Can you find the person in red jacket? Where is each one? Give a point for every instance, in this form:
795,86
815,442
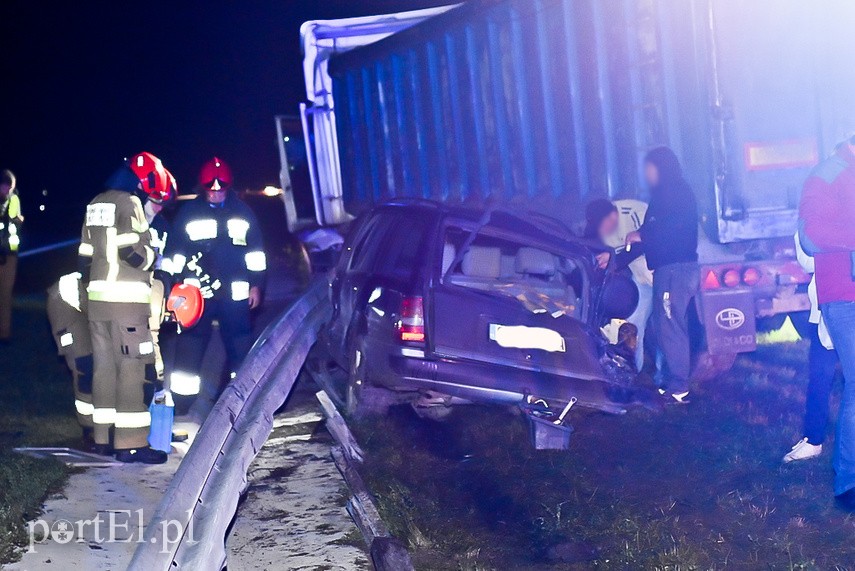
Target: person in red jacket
826,231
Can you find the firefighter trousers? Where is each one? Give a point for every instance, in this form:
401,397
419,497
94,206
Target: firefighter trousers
70,328
121,349
235,331
82,370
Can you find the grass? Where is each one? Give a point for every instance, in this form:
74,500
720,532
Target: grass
36,408
696,487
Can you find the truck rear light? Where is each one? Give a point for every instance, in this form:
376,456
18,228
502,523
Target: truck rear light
412,323
710,281
751,276
731,278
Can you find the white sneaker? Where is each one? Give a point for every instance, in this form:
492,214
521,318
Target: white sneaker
803,450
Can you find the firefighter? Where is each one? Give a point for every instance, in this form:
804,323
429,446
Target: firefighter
66,309
216,245
162,282
10,225
117,260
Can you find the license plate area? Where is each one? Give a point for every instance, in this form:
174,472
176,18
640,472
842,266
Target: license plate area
525,337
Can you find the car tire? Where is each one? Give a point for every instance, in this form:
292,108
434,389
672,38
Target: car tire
361,398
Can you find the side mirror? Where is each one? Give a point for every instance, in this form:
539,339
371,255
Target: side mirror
618,297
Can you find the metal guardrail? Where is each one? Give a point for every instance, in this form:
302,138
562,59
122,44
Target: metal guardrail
204,493
387,552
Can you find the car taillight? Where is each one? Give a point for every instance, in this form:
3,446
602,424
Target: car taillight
412,323
751,276
731,278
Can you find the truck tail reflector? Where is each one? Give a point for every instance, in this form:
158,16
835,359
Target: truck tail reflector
751,276
711,281
781,154
731,278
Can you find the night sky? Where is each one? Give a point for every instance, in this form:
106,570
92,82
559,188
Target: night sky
85,84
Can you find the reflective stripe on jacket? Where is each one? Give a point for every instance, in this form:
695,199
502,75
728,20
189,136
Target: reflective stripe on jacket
217,248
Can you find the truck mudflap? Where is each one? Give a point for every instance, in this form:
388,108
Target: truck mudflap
729,322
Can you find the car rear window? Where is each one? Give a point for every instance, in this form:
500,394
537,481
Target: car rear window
404,249
369,243
541,280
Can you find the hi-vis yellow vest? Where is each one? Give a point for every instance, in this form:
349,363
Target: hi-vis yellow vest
10,223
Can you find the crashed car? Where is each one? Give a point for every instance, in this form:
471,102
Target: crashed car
438,305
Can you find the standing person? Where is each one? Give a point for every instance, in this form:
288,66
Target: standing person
10,226
116,264
631,215
159,229
669,237
826,232
822,363
611,222
215,245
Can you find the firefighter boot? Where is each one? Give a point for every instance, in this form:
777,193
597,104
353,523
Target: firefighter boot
143,455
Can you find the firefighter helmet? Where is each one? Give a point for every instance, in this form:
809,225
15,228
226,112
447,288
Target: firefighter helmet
185,304
171,188
154,178
215,170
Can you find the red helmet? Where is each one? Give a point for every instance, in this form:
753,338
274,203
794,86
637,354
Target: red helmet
218,170
185,304
172,187
154,178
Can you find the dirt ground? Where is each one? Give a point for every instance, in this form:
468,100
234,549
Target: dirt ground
692,487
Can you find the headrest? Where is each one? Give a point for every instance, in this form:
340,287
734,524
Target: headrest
535,262
482,262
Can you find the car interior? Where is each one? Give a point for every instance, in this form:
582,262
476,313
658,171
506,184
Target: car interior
541,279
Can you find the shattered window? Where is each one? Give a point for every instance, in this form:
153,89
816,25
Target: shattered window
543,281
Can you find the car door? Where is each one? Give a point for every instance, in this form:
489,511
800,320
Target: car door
348,286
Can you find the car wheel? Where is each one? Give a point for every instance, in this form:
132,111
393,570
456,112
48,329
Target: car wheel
361,398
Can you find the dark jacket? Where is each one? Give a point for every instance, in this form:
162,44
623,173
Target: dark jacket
670,230
217,248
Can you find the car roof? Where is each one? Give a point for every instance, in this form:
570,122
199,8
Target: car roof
538,226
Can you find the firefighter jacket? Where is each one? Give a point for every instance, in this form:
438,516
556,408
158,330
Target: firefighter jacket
10,224
217,248
116,255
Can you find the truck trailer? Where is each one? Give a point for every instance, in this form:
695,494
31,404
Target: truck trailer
547,104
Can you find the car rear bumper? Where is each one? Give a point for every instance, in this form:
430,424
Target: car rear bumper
496,384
